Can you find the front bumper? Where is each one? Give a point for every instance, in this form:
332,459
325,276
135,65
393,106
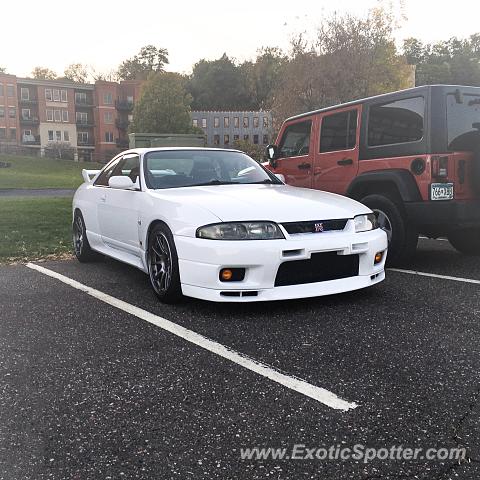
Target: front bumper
201,260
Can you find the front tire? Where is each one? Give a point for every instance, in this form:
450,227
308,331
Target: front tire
466,241
81,247
163,267
402,237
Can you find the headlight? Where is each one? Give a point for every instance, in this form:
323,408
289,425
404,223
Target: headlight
241,231
363,223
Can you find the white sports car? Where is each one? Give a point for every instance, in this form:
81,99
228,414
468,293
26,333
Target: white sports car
215,225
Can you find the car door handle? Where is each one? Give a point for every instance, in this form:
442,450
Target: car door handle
345,161
103,198
304,166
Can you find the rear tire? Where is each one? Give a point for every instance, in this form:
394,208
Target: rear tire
466,241
402,237
163,267
81,247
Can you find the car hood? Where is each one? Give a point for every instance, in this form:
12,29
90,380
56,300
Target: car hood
278,203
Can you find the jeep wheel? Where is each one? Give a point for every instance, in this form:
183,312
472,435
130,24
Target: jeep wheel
466,241
402,237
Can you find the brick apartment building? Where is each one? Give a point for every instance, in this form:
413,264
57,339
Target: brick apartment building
88,120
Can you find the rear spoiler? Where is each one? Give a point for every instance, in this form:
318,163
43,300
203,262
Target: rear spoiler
89,175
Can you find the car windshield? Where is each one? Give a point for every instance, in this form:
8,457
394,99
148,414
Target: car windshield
190,168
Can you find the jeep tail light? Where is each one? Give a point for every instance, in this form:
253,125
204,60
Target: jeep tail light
440,167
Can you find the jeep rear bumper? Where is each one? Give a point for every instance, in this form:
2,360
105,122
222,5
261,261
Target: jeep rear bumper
440,217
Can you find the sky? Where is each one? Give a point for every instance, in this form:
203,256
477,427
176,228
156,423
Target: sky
102,33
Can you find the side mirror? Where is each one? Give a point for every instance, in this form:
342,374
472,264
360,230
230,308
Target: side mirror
281,177
271,153
121,182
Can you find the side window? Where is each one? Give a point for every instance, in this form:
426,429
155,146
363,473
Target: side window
396,122
295,140
102,179
339,131
128,166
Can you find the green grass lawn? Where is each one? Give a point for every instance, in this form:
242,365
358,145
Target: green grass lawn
32,228
36,172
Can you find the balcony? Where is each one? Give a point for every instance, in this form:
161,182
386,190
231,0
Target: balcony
86,143
31,140
82,123
124,105
122,142
29,120
84,103
122,124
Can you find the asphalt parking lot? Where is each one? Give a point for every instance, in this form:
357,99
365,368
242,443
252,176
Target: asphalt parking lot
91,391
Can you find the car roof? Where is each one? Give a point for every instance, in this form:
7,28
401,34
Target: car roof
143,151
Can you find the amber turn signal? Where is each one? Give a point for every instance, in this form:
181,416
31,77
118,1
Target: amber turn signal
378,257
226,274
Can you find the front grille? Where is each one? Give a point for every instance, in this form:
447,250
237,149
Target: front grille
315,226
321,267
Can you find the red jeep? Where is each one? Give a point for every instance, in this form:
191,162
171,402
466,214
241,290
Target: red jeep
412,156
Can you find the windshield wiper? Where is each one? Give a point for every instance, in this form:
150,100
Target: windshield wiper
213,182
267,180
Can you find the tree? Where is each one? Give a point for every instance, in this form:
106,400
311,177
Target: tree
3,70
43,73
149,59
219,85
77,72
164,106
454,61
352,58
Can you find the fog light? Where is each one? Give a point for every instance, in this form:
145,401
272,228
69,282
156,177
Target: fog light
378,257
232,274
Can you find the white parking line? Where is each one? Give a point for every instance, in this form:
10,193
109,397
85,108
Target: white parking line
435,275
293,383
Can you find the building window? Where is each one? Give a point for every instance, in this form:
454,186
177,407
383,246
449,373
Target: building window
65,116
49,115
81,98
1,90
58,135
246,138
195,122
82,117
56,95
12,112
66,136
109,137
3,133
2,112
216,139
204,123
108,98
226,122
216,122
130,118
13,134
236,122
48,94
255,122
265,122
265,139
27,133
50,135
245,122
10,91
63,95
255,139
26,114
108,117
82,138
57,115
236,138
130,99
25,93
226,139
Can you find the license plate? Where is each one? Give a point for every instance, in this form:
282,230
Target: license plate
441,191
